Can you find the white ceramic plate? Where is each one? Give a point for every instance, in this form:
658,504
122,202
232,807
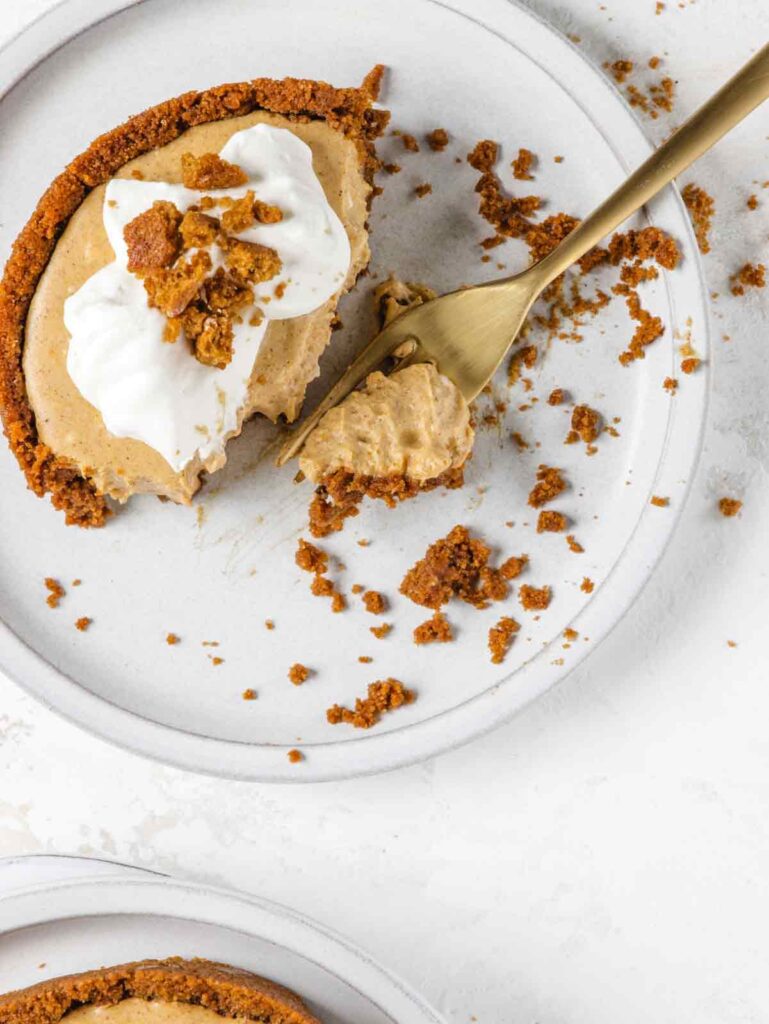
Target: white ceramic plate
481,68
80,914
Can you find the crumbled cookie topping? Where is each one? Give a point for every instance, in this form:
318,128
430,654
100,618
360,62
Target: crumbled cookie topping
701,207
209,171
729,506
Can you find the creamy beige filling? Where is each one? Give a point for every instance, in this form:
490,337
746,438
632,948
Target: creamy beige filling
143,1011
288,356
414,423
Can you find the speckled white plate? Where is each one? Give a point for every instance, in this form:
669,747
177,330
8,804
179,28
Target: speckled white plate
215,572
60,915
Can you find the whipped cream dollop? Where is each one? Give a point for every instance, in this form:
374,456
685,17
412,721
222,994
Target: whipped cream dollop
156,392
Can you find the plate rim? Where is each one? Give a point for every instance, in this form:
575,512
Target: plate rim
396,748
165,896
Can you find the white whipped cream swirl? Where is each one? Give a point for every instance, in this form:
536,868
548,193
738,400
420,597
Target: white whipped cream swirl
158,392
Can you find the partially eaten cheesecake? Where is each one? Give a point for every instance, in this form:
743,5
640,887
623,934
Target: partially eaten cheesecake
171,991
395,437
180,276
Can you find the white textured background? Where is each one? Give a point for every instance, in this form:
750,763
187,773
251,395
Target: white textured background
605,857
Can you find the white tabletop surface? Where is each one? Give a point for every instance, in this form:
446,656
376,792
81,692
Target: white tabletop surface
603,858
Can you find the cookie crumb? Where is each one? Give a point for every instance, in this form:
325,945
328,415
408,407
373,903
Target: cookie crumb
269,624
550,484
298,674
295,756
670,384
501,637
551,522
512,567
586,423
659,501
410,143
380,632
172,639
690,365
533,598
55,592
83,623
249,694
750,275
216,660
522,165
374,602
365,659
729,507
438,139
574,544
587,586
436,630
384,695
556,397
423,190
701,207
210,171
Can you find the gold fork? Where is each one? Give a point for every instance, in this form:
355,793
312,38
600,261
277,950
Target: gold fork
467,333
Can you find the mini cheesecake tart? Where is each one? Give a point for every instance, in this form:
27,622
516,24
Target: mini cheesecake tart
172,991
180,276
396,436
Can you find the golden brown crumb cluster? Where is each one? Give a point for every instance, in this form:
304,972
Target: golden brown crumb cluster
438,139
551,522
295,756
374,602
83,623
501,637
348,111
298,674
586,424
550,483
314,560
659,501
750,275
423,190
203,302
210,171
384,695
522,165
55,592
701,207
729,506
456,566
436,630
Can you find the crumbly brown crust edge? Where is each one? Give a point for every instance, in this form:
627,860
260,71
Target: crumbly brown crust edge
229,991
348,110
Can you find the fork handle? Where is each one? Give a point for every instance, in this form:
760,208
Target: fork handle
733,102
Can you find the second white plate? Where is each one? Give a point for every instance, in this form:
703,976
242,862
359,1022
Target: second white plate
78,923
